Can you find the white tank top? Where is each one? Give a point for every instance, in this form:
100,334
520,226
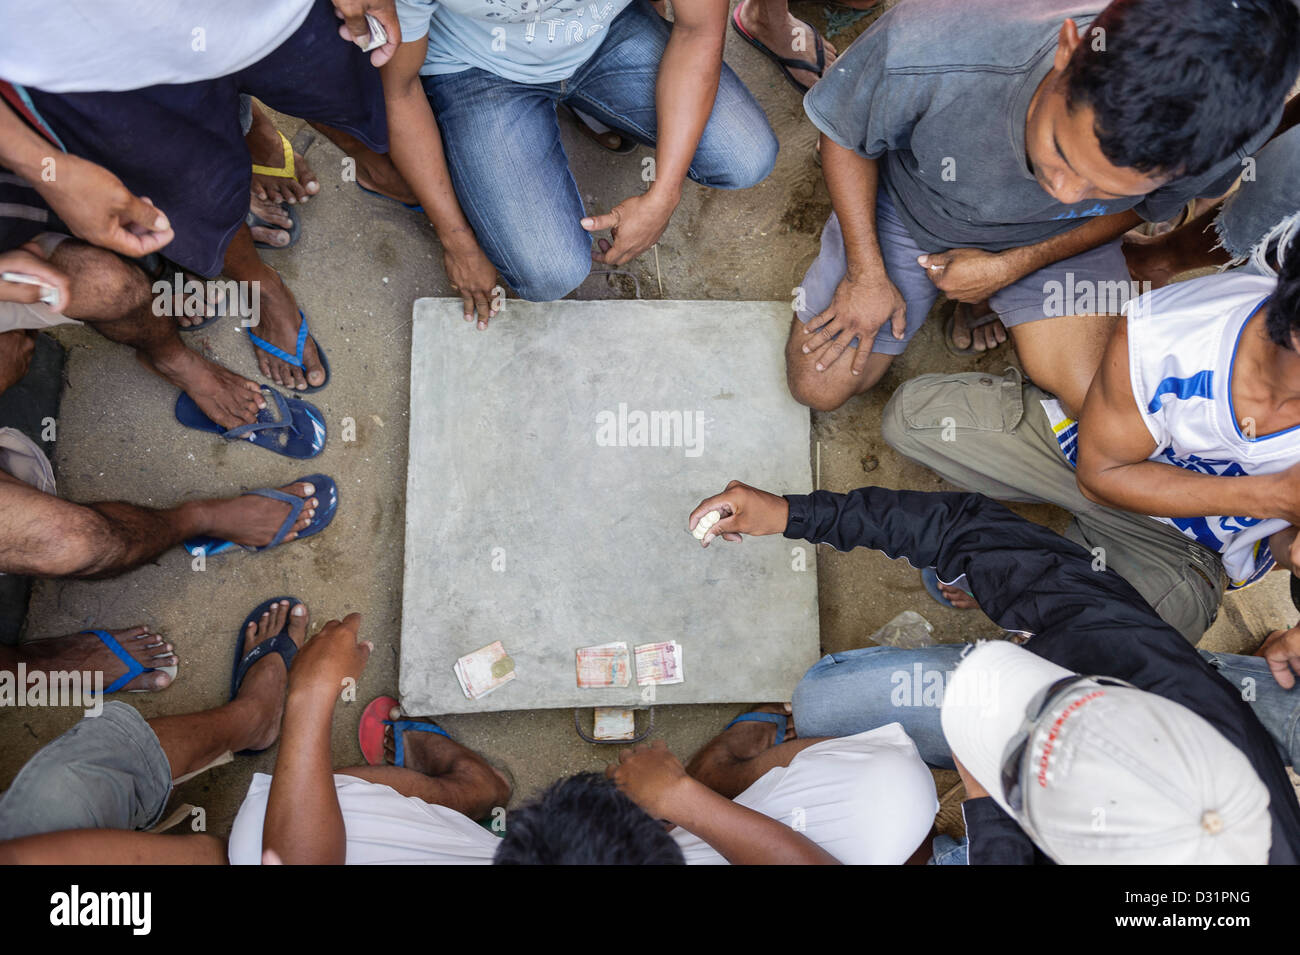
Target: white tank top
1182,343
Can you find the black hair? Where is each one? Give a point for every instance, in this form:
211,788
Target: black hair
1179,85
585,820
1283,318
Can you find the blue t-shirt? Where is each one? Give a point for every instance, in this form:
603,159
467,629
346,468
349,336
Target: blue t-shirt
528,41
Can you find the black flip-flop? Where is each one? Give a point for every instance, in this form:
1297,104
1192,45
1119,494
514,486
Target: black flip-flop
949,312
281,643
254,221
785,64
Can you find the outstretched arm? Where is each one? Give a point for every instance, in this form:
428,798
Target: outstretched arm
304,824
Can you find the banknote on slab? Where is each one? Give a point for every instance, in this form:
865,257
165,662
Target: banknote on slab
659,663
608,664
484,670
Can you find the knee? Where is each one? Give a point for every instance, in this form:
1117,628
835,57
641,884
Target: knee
487,789
551,277
749,160
817,390
100,280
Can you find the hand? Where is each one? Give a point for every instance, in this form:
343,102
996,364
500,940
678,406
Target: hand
859,309
98,208
973,789
968,275
16,350
473,275
29,260
651,776
354,28
745,510
634,224
1281,651
329,658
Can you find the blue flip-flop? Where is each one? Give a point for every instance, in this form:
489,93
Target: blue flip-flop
781,721
281,643
295,359
288,426
134,667
930,578
401,726
413,206
327,497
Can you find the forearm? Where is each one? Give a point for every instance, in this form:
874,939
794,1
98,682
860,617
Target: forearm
852,181
1098,230
685,90
113,847
415,146
304,824
1164,490
739,834
22,150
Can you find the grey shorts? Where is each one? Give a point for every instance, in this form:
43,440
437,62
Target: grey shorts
107,772
16,316
1092,281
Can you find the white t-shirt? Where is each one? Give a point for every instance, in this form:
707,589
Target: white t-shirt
866,799
79,46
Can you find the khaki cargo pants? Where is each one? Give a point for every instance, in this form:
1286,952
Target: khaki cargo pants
989,434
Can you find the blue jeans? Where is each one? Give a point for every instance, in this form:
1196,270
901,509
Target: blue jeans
847,693
510,171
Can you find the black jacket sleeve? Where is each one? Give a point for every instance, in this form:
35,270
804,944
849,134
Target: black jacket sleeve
995,838
1083,617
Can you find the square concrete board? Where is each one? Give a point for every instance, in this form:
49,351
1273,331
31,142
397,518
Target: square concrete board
537,516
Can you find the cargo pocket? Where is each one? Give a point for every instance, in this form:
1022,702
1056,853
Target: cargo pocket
973,401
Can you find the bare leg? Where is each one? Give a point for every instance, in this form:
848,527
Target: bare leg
441,772
267,149
738,757
279,315
16,350
115,298
827,390
1062,355
44,536
375,170
252,719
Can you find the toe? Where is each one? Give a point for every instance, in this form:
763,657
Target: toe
275,237
151,681
298,619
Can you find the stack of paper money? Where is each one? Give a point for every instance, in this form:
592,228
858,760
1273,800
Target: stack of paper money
484,670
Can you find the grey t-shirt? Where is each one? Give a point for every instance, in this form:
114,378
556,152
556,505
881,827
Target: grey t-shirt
938,92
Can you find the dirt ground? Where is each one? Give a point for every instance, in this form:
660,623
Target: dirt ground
360,264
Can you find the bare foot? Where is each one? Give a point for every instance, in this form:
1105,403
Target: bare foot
959,599
264,684
227,398
267,149
376,172
984,337
781,38
85,651
277,234
278,325
252,520
744,740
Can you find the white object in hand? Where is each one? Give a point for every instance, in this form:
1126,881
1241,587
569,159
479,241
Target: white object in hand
707,521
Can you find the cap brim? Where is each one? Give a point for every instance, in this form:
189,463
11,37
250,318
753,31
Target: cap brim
984,705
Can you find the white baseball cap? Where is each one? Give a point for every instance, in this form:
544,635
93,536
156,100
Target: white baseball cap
1098,771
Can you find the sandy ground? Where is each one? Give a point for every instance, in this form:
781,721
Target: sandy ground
358,267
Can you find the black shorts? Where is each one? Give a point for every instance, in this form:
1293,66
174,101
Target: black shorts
181,144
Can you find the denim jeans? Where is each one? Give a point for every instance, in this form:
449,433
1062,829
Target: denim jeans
847,693
1265,210
510,171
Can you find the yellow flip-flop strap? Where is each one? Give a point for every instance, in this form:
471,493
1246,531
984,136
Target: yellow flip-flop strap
287,172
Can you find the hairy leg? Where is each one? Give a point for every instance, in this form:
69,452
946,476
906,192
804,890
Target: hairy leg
829,389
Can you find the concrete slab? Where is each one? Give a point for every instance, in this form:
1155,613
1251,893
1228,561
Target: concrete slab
550,477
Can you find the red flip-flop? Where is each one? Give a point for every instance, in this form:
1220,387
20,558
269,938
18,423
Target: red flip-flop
370,734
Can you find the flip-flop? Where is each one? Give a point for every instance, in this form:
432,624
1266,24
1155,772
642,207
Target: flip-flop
781,721
930,578
134,667
288,426
327,497
299,350
254,221
370,733
949,323
281,643
154,265
413,206
288,170
785,64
